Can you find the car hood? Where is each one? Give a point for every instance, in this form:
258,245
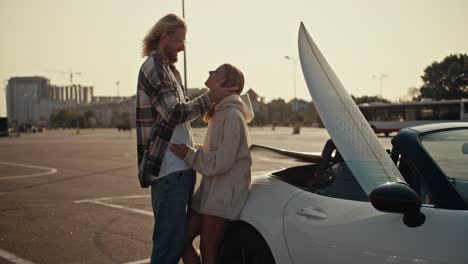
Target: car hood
268,159
439,126
349,130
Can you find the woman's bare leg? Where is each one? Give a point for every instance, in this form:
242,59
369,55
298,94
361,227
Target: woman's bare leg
212,233
190,254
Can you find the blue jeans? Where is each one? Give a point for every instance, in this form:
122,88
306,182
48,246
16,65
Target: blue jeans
170,198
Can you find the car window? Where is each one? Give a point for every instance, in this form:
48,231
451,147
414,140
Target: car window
448,150
415,179
342,184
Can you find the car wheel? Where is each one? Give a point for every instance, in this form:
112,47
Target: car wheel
243,244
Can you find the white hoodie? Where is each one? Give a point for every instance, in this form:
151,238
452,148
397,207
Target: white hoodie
224,160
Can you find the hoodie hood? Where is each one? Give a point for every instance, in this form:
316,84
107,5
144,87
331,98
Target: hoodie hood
240,102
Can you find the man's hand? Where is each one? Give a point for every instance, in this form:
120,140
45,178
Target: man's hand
217,93
180,150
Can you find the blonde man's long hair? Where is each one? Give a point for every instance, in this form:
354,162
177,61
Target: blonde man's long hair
167,24
234,78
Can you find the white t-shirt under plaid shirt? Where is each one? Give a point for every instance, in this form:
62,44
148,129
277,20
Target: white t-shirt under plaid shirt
182,135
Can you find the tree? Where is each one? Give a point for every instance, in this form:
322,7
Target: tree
447,79
63,118
311,116
261,115
198,93
90,119
279,112
89,114
369,99
67,118
413,93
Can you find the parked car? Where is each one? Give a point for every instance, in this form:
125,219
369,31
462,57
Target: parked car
360,205
317,212
3,127
123,126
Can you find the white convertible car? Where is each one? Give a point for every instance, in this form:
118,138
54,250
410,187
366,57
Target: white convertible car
325,209
318,212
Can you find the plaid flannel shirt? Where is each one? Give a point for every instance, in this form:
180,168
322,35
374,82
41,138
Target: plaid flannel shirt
159,109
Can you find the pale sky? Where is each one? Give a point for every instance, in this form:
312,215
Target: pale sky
359,38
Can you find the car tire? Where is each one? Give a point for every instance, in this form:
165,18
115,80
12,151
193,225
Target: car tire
243,244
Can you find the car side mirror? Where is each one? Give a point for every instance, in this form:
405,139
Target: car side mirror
397,197
465,148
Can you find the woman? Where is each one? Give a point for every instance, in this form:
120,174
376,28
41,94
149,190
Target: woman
224,162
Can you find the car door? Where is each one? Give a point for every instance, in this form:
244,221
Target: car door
327,230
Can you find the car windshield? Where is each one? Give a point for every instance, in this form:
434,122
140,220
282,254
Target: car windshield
449,149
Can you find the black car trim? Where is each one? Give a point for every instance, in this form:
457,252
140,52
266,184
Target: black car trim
408,143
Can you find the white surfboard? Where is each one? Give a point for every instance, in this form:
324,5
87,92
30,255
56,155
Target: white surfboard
348,128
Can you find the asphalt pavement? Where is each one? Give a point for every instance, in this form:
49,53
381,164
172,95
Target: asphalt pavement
70,196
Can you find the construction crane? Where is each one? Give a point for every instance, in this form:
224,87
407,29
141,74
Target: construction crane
71,76
70,73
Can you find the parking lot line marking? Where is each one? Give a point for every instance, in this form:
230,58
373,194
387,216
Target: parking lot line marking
49,171
123,208
143,261
113,198
12,258
101,201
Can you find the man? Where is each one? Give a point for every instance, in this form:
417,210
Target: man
162,117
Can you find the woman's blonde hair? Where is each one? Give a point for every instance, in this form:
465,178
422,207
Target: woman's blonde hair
234,78
167,24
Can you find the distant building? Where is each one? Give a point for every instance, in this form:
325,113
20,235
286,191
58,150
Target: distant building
108,99
194,92
255,99
31,100
299,105
106,109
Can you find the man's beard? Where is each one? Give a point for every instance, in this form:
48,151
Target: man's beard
171,55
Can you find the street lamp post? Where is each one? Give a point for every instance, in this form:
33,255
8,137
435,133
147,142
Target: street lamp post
117,85
5,83
380,76
294,61
185,53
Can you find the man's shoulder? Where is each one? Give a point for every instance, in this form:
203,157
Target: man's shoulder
152,69
151,62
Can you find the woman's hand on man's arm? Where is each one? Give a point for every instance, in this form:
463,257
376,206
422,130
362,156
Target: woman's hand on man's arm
180,150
